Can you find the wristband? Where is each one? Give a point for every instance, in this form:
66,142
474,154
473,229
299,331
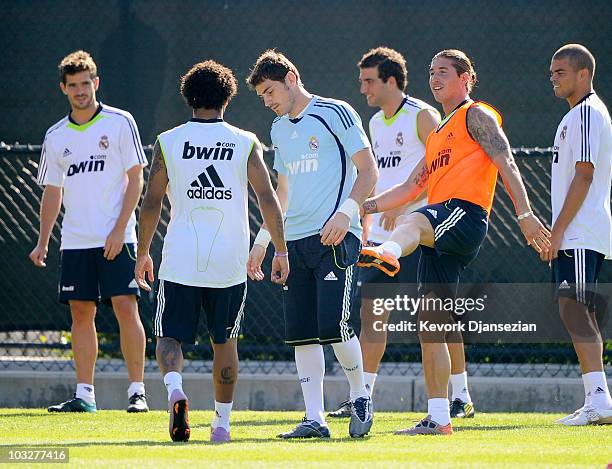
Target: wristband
349,207
281,254
263,238
522,216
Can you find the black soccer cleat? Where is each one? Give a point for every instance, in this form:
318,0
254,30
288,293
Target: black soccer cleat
343,411
307,429
461,410
76,404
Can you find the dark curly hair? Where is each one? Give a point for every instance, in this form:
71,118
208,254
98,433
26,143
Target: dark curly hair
208,85
76,62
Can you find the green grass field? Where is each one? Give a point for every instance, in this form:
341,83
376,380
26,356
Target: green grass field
117,439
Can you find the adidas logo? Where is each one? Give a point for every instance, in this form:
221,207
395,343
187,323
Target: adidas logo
564,285
294,135
599,390
133,284
433,212
67,152
208,186
331,276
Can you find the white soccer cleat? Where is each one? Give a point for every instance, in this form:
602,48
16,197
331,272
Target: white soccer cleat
562,420
590,416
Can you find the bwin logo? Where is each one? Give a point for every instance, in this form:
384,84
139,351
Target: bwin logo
221,151
208,186
90,166
389,161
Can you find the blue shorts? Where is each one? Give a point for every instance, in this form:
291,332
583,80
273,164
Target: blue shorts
460,228
178,307
575,273
319,291
87,276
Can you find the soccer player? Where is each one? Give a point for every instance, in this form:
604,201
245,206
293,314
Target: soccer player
581,223
92,161
462,159
205,166
398,132
319,146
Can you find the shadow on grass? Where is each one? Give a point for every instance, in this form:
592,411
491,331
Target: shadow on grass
24,414
254,423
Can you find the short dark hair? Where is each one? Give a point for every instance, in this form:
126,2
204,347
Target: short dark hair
579,57
462,64
208,85
271,65
76,62
390,63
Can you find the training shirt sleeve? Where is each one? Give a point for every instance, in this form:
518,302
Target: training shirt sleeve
279,165
585,134
50,170
130,146
346,124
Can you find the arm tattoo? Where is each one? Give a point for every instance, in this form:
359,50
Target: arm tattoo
484,129
280,226
255,159
369,206
421,179
158,160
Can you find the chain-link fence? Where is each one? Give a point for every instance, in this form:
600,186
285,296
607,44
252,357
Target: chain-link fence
34,325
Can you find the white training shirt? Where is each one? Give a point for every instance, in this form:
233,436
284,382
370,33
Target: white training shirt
90,162
207,242
398,149
585,135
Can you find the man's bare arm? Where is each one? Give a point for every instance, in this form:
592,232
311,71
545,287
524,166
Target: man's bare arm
150,210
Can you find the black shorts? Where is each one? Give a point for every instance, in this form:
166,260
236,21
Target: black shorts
460,228
319,291
575,273
178,307
86,275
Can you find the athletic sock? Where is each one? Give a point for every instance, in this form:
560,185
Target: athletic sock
600,394
136,387
222,415
392,247
349,356
587,390
438,410
310,364
369,380
86,392
173,380
459,387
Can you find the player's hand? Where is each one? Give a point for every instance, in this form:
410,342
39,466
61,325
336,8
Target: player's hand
113,244
552,251
536,234
256,257
388,219
144,267
335,229
280,269
38,255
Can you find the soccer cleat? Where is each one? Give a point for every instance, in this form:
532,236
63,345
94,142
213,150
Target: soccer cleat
307,429
219,435
138,403
376,257
461,410
361,417
570,416
344,410
179,416
427,427
590,416
76,404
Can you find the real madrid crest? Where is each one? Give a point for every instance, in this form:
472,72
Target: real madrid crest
563,132
313,143
399,140
103,143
